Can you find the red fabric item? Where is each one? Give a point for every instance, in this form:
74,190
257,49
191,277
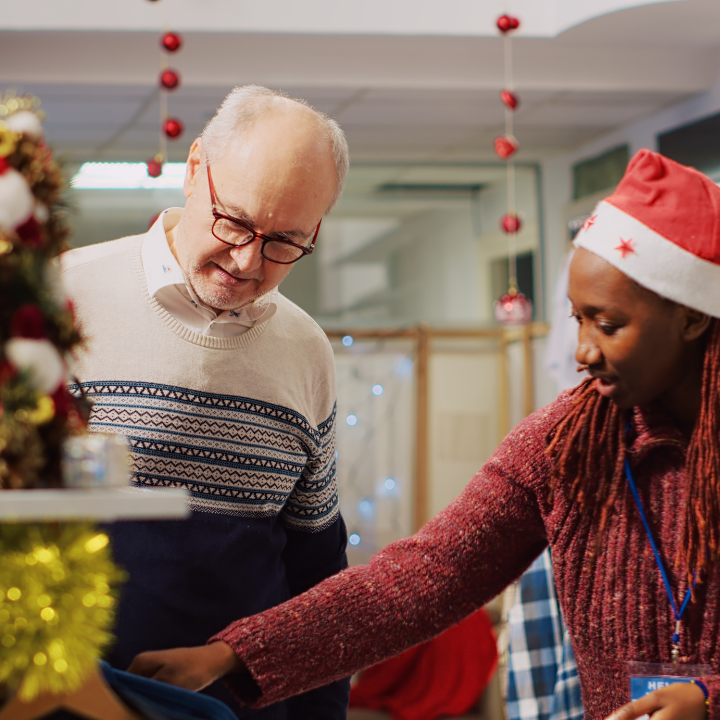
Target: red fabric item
677,202
441,678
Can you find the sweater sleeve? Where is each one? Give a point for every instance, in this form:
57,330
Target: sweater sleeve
412,590
712,683
310,556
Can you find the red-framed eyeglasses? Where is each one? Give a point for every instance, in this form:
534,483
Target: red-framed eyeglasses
236,233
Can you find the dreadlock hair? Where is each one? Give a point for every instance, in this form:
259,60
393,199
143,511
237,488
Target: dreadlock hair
588,447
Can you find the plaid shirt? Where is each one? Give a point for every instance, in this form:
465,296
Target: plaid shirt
543,681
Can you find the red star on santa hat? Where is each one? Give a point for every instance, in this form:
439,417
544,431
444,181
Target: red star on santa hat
589,222
625,247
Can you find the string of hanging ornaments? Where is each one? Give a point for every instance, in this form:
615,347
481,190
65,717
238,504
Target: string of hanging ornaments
513,308
171,128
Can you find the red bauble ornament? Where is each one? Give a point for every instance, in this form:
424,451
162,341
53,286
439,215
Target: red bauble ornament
154,168
30,233
171,42
513,309
7,372
4,166
28,322
173,128
506,146
64,402
510,99
506,23
510,224
170,79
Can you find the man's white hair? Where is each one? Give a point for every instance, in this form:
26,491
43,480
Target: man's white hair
246,104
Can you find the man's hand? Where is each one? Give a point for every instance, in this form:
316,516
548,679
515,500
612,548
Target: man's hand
191,668
680,701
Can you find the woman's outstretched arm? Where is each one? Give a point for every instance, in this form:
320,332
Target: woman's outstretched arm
407,594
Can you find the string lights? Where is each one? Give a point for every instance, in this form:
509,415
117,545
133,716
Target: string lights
374,392
513,308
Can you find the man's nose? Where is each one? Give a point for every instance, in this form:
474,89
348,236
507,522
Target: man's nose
248,257
587,353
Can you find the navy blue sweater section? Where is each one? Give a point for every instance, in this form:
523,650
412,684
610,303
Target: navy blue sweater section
189,579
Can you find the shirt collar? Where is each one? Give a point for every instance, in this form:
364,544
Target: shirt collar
161,267
162,270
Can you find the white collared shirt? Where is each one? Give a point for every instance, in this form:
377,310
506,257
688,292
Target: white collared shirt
167,284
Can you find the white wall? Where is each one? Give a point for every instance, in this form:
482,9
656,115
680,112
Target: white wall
557,171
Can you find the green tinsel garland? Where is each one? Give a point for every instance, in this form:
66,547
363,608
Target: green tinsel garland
56,606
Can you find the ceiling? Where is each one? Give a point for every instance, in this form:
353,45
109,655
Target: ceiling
400,98
540,18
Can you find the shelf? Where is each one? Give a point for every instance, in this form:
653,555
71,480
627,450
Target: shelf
101,504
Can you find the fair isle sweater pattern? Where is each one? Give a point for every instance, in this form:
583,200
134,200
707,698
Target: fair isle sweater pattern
236,455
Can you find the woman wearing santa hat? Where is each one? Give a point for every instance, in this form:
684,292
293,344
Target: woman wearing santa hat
620,477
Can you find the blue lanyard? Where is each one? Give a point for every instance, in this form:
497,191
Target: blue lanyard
677,613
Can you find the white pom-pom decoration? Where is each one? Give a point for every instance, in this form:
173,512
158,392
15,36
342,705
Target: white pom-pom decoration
16,200
41,359
42,214
25,122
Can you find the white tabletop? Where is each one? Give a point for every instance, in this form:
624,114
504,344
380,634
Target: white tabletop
106,504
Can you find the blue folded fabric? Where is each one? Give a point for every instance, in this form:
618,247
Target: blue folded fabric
160,701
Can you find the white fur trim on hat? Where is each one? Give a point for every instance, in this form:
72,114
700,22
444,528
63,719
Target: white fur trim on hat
651,260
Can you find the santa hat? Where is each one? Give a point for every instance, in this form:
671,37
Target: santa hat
661,227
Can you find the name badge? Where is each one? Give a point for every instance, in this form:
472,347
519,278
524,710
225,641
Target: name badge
648,677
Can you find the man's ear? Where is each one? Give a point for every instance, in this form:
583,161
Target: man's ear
194,168
696,323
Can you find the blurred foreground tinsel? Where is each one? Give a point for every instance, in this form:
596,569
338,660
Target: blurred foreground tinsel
55,580
56,606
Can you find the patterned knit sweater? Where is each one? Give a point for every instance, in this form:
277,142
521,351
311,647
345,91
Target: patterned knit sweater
616,608
247,425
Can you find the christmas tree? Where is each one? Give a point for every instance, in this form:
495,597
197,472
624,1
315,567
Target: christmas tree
36,321
56,601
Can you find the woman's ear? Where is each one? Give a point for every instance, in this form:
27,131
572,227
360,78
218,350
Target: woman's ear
696,323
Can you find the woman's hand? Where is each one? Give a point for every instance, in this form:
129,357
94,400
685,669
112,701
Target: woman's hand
191,668
679,701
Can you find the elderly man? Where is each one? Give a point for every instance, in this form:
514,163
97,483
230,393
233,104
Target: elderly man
222,385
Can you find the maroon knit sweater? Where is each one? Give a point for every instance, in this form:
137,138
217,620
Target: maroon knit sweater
616,608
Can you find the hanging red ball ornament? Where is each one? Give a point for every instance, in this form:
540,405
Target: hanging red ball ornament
169,79
154,168
172,42
510,224
506,146
510,99
173,128
506,23
513,309
28,322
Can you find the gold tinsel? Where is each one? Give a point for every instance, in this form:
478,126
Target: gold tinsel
56,606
